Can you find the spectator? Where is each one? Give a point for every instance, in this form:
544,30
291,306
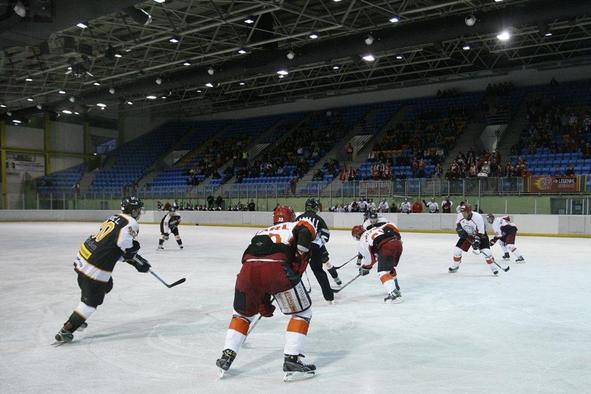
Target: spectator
417,207
570,170
251,206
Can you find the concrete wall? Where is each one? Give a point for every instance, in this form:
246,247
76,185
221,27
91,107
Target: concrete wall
66,137
527,224
24,137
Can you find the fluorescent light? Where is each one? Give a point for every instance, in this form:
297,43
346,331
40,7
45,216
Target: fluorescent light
242,83
174,39
242,51
209,85
160,1
394,19
2,106
97,83
313,36
281,76
187,63
249,21
466,47
29,79
337,1
498,1
29,99
67,111
118,55
163,97
369,58
549,34
399,57
198,90
82,25
61,91
282,72
101,105
336,67
151,97
16,121
130,103
504,36
76,113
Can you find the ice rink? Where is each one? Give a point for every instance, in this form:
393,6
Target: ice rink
525,331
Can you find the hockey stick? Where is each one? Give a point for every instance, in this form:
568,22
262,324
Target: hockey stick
504,269
178,282
345,263
346,284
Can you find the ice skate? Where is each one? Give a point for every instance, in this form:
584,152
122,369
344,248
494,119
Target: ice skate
506,256
295,369
520,260
495,272
83,326
160,247
393,297
225,361
453,270
63,336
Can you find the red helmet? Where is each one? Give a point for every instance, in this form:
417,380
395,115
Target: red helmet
356,231
283,214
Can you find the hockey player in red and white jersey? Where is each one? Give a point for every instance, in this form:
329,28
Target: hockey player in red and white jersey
382,245
272,266
505,234
373,220
471,230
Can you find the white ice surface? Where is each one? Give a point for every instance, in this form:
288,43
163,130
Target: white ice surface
526,331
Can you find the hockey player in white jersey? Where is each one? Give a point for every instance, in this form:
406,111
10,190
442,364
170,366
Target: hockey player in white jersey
406,206
471,230
505,234
170,224
432,206
381,245
373,220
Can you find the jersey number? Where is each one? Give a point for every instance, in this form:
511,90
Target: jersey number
105,230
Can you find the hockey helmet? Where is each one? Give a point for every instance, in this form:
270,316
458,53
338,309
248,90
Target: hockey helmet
373,217
283,214
312,204
174,207
132,206
357,231
490,218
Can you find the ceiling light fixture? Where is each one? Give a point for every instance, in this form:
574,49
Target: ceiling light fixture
209,85
290,55
368,58
210,71
2,106
130,103
369,40
504,36
313,36
30,99
394,19
96,83
151,97
282,72
399,57
187,63
242,83
101,105
175,39
67,111
29,79
112,90
82,25
16,121
158,81
249,20
242,51
466,47
61,91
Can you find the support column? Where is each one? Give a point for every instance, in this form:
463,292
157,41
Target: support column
3,164
121,128
47,142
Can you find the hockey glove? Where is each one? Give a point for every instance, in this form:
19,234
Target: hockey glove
131,252
364,270
476,244
140,263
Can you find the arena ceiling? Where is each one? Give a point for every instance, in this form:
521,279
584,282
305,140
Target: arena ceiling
203,56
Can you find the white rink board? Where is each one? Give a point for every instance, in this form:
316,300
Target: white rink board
526,331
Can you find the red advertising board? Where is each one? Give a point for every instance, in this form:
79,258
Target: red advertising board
554,184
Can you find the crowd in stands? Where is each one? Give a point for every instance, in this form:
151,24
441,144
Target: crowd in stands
331,168
474,164
213,204
365,205
559,128
294,156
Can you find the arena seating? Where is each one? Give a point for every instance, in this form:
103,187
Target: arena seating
63,181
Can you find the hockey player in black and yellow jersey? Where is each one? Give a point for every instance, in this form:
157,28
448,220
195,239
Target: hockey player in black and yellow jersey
114,242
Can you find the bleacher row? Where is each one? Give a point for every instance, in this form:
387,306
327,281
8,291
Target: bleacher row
132,161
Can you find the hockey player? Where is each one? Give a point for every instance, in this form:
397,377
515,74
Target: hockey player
446,205
432,205
96,259
382,244
373,220
471,230
272,266
505,234
318,253
170,224
356,232
405,207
